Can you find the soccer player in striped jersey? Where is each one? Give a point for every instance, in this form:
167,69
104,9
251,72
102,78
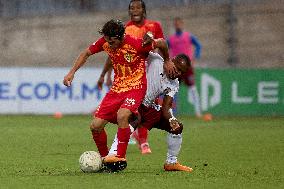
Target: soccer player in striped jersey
137,26
128,55
155,116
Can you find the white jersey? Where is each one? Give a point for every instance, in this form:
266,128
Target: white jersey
157,81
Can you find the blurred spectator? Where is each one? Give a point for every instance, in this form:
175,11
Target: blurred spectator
183,42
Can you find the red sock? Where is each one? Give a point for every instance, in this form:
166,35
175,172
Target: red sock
123,135
100,139
142,134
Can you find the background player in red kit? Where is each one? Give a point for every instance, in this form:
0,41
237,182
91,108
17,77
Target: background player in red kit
137,26
128,56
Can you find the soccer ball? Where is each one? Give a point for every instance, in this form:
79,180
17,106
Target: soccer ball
90,161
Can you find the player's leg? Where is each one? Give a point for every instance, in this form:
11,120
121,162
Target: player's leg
130,106
141,136
99,135
174,141
123,132
193,97
115,161
132,140
134,122
149,116
113,148
106,112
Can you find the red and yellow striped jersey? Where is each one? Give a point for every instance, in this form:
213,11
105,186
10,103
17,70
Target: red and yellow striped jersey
128,62
148,25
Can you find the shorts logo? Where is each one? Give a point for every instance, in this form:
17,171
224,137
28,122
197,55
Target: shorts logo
129,101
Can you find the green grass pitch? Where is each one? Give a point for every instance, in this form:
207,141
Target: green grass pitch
231,152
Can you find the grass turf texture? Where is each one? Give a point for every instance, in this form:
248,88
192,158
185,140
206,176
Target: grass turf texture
43,152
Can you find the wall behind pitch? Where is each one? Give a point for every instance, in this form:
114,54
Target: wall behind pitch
43,41
237,92
40,91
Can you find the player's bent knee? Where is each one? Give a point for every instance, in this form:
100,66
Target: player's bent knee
94,126
134,120
123,116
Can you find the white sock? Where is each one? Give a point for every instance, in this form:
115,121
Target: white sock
174,145
194,98
113,148
131,128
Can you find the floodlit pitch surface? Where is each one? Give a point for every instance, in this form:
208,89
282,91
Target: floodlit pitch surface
236,152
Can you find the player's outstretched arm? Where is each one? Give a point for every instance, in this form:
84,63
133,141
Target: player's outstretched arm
166,106
107,69
80,61
108,79
168,65
162,45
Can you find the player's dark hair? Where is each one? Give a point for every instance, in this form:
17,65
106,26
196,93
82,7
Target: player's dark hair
185,58
143,6
113,28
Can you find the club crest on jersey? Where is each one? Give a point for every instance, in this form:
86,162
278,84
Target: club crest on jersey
167,90
128,57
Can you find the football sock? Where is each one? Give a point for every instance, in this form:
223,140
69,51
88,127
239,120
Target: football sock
174,145
131,128
194,98
113,148
142,134
100,138
123,135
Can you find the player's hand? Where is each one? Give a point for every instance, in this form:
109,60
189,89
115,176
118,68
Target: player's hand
147,39
100,82
68,79
174,125
170,69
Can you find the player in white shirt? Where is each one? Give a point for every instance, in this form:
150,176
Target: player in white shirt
161,117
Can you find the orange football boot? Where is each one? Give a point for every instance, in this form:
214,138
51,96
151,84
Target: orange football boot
177,167
112,159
